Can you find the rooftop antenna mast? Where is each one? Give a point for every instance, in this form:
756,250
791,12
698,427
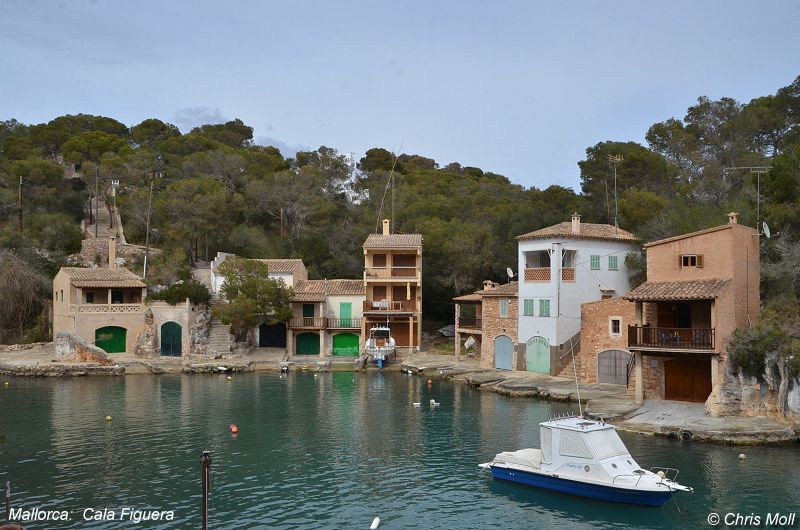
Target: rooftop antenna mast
389,183
614,160
758,170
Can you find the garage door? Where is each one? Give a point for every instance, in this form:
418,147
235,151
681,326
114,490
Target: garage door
272,336
171,339
503,352
345,344
111,339
687,379
612,367
537,355
307,344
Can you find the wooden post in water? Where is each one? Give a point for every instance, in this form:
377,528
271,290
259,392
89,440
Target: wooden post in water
206,486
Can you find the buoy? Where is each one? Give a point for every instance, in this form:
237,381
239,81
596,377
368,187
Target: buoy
6,383
742,456
375,523
222,368
108,418
433,403
234,429
430,382
230,379
416,404
660,474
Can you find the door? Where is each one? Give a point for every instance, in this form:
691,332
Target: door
612,367
503,353
687,379
346,314
308,315
537,355
272,336
171,335
345,344
111,339
307,344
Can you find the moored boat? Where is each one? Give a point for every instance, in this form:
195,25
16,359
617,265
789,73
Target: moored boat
586,458
380,344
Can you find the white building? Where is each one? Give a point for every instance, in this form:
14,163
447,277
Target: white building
561,267
289,271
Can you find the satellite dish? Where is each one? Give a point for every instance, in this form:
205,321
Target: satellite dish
765,229
509,272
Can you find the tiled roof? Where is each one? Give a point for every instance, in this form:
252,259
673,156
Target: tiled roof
282,265
684,290
506,289
317,290
97,277
346,287
393,241
309,291
472,297
587,231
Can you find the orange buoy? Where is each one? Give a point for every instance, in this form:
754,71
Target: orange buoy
430,382
234,429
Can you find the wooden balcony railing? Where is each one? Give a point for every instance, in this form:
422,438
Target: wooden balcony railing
469,323
344,323
671,338
568,274
391,272
390,305
537,274
307,322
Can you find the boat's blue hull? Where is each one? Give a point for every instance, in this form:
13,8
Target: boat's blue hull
573,487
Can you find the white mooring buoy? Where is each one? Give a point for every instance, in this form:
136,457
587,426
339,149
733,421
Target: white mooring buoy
742,456
375,523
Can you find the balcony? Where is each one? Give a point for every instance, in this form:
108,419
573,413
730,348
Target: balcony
307,322
469,323
106,308
344,323
537,274
568,274
391,272
671,338
390,305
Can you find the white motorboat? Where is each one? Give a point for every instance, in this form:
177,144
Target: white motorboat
587,458
380,344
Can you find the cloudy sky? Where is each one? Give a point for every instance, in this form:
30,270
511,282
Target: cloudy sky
520,88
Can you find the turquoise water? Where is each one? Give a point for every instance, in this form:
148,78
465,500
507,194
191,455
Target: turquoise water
332,451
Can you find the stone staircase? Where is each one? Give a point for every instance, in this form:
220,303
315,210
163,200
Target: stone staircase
567,370
219,338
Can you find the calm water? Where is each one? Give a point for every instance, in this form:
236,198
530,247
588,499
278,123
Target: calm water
331,452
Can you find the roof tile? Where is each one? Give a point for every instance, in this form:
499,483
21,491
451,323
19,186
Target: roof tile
393,241
682,290
587,231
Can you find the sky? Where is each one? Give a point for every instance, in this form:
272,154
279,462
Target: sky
519,88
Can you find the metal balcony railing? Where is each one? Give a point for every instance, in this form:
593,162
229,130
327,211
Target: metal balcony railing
671,338
344,323
389,305
307,322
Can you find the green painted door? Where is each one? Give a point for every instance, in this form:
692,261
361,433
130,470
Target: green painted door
537,353
308,314
171,339
307,344
345,344
346,314
111,339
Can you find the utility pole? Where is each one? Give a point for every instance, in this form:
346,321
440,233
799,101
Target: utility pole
96,199
147,229
615,159
20,203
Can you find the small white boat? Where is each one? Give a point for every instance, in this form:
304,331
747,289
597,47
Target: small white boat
586,458
380,344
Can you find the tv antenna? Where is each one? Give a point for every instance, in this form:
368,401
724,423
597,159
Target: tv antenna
614,160
389,183
758,170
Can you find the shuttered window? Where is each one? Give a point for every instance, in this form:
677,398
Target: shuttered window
594,262
528,307
504,307
612,263
544,308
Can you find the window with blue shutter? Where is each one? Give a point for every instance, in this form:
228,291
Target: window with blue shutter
594,262
528,307
504,307
544,308
612,263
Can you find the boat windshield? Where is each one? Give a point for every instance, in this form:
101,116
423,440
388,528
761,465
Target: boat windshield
606,443
380,333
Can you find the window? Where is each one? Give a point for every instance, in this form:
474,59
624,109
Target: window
528,307
117,297
615,326
544,308
504,307
90,297
612,263
379,260
594,262
691,260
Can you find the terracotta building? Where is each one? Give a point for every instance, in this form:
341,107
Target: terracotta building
700,288
393,285
604,355
490,317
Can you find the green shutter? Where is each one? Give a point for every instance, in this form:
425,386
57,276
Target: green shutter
612,263
544,308
528,309
346,314
595,262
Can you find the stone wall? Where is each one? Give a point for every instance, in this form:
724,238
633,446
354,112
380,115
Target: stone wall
95,251
653,377
494,325
596,332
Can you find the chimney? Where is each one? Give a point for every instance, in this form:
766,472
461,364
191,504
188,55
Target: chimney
386,227
576,223
733,218
488,285
112,252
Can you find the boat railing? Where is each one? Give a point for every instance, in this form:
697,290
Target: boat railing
638,477
667,471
